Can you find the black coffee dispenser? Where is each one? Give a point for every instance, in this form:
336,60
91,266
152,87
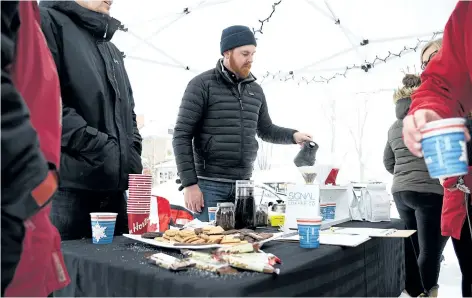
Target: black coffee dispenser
307,155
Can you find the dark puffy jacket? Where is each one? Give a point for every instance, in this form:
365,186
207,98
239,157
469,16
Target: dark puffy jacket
101,144
222,117
409,172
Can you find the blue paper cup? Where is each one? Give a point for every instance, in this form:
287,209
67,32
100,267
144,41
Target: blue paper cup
103,227
212,213
330,211
309,231
445,148
323,211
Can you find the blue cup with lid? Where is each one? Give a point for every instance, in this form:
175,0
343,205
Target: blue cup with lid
445,148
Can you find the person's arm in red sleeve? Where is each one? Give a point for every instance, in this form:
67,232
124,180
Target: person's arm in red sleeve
27,183
446,77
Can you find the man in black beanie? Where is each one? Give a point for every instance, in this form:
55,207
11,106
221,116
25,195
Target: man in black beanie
221,111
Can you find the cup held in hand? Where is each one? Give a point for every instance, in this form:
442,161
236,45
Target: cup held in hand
445,148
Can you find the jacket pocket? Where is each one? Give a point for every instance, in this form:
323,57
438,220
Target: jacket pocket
92,170
135,165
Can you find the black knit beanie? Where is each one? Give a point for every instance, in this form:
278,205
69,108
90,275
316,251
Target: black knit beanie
236,36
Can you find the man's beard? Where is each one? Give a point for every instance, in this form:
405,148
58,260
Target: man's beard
242,72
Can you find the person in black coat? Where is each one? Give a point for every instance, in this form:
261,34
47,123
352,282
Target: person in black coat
221,112
101,143
417,196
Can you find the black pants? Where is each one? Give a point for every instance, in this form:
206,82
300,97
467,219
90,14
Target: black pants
422,212
13,233
463,249
71,209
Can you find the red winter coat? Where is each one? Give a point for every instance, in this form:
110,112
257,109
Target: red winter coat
41,268
447,89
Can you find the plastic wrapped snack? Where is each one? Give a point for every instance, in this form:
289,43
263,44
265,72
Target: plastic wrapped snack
308,173
251,266
213,266
196,255
264,258
239,249
170,262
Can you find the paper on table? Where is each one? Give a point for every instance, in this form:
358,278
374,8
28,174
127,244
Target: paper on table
371,232
334,239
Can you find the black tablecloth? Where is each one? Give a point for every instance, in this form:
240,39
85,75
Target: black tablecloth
375,268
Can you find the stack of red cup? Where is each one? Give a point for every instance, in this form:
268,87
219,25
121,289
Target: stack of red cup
139,202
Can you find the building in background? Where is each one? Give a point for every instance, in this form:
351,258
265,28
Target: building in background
157,154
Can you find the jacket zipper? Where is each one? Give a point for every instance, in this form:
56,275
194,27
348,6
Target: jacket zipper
242,124
116,105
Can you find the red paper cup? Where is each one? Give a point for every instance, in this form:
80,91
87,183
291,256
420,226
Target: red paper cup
139,186
140,200
139,194
138,181
137,223
133,207
138,212
137,207
142,191
140,178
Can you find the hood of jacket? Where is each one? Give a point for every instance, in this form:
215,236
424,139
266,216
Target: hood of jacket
100,25
402,99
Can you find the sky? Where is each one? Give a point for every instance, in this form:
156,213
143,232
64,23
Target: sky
162,42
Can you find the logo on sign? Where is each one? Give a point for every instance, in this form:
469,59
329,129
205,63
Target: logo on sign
301,198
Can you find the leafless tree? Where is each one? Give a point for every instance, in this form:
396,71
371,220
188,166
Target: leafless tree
358,136
264,155
329,109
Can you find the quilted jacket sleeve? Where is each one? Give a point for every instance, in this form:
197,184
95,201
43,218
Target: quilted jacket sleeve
189,116
270,132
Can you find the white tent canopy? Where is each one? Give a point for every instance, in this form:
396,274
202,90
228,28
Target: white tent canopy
166,37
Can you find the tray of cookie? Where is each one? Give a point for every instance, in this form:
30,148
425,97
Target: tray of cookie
201,238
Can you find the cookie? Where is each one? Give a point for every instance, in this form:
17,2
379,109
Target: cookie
190,239
179,239
151,235
171,233
215,231
186,233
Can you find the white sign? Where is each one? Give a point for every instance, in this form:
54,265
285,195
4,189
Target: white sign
303,201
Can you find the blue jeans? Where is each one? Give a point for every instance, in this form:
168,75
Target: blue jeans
214,192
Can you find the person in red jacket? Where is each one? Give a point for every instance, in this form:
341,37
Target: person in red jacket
445,92
32,262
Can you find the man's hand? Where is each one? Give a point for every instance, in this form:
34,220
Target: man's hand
411,129
193,198
301,137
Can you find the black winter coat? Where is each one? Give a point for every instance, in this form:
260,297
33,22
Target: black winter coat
222,118
409,172
101,143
